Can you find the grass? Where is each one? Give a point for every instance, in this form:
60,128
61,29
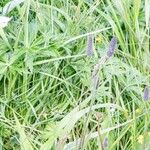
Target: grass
47,99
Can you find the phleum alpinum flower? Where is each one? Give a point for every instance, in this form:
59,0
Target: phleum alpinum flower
112,46
90,45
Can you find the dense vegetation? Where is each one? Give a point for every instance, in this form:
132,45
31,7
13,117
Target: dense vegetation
49,97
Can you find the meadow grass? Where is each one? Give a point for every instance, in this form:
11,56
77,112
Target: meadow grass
62,86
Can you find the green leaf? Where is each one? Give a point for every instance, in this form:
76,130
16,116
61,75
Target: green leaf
24,142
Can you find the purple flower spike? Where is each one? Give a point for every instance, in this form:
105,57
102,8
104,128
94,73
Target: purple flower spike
90,45
146,94
112,47
105,143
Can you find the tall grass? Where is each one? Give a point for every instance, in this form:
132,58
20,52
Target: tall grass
46,97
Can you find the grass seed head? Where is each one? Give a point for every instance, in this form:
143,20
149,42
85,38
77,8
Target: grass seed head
146,94
112,46
90,45
105,143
